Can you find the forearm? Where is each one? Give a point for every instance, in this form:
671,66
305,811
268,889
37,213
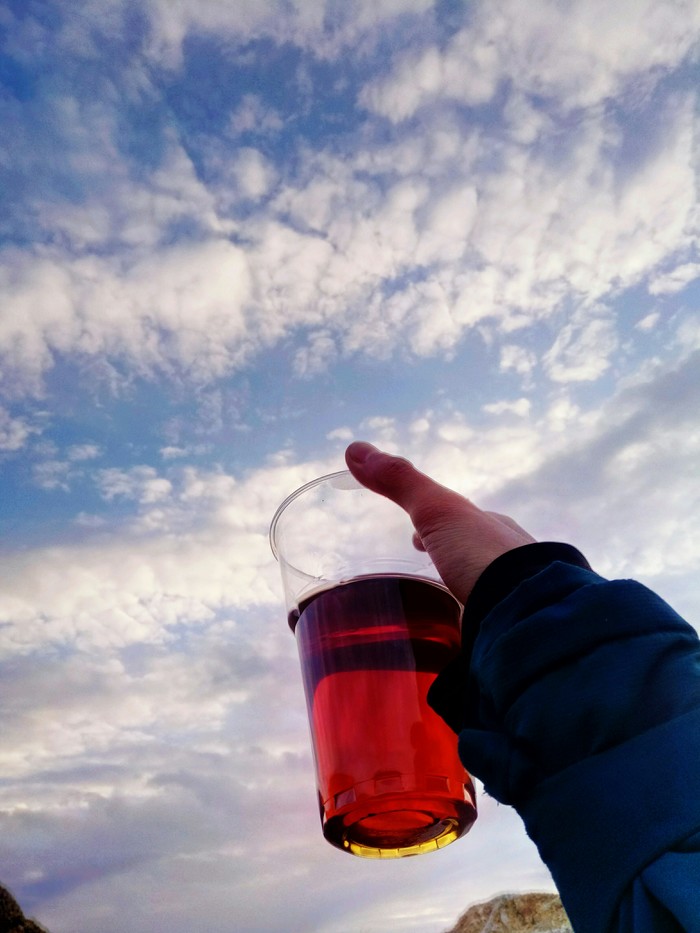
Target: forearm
577,700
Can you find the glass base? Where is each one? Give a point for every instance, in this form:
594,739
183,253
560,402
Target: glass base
399,825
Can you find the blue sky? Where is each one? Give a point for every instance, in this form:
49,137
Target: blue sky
234,236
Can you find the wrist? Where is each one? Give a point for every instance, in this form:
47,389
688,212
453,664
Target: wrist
508,571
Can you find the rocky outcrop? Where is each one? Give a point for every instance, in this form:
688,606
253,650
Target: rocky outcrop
515,913
507,913
12,920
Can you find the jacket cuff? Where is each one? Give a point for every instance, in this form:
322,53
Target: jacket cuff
509,570
452,691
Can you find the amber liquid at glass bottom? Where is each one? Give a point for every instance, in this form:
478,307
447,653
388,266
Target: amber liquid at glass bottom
389,779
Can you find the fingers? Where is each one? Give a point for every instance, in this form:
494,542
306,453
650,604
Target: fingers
460,538
425,500
393,477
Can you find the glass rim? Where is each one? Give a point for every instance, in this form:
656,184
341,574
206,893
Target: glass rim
281,508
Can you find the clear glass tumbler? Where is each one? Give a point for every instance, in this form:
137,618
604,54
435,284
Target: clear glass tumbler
374,626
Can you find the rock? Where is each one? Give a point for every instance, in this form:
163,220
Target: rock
515,913
12,920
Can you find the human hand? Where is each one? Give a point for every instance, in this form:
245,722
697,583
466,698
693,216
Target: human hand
461,539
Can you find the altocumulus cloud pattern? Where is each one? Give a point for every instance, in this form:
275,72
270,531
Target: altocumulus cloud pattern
233,236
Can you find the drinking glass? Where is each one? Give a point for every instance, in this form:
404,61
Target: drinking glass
374,625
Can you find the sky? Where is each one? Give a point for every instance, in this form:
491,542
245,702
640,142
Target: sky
235,235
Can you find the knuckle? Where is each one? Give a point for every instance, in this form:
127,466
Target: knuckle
442,511
397,470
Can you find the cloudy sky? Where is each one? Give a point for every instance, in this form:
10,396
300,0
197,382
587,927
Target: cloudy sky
234,235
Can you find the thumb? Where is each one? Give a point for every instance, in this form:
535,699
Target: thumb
398,480
444,520
460,538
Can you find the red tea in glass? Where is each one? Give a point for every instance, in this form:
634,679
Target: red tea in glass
374,626
389,780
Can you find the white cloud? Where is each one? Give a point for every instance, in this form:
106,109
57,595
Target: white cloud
51,471
468,72
96,197
688,334
445,232
173,452
141,483
254,115
290,279
495,230
81,452
525,122
523,234
517,359
340,434
675,280
53,474
648,322
321,26
246,175
195,545
13,431
316,356
520,407
584,348
181,306
576,55
170,748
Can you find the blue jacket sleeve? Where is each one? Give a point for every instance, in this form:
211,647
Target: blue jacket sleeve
577,700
